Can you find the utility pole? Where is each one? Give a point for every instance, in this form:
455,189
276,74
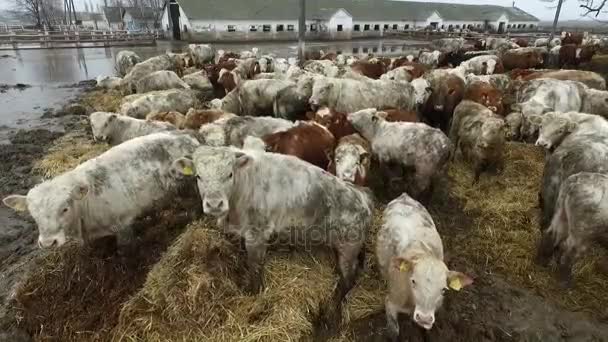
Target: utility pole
301,31
557,11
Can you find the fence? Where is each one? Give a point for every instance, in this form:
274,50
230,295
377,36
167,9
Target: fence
32,39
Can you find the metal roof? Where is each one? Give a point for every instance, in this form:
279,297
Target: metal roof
367,10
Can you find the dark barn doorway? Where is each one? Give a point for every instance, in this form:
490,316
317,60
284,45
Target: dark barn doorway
174,17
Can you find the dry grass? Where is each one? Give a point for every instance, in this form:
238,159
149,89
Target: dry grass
195,294
102,100
68,152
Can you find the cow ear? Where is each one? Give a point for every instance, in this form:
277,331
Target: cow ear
184,166
242,160
112,117
330,154
16,202
402,264
571,126
457,280
364,158
382,115
79,192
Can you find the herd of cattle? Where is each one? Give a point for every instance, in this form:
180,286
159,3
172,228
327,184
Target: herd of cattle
273,145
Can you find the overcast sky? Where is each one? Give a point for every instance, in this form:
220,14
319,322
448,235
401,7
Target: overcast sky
540,9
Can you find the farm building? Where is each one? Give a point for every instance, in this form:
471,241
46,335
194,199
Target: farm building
140,18
113,17
209,20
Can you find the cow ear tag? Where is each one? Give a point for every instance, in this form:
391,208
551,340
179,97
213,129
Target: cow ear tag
455,284
188,171
404,266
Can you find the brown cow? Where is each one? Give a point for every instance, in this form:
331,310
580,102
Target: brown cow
228,55
524,58
330,56
448,91
567,56
213,72
485,94
351,160
229,80
521,42
521,73
416,69
196,118
572,38
336,122
175,118
308,141
312,55
371,70
587,53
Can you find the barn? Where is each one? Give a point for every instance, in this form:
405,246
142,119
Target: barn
213,20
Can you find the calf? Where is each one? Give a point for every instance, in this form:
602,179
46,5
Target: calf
484,65
199,81
116,129
324,68
371,70
232,131
410,256
230,103
175,118
575,39
586,54
257,97
408,144
291,103
310,142
433,59
256,194
109,82
229,80
568,56
213,72
579,222
448,91
141,105
547,95
196,118
107,192
485,94
524,58
201,54
160,80
145,68
225,56
557,126
480,136
346,95
351,160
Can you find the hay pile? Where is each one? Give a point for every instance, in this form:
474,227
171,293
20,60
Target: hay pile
195,294
68,152
101,100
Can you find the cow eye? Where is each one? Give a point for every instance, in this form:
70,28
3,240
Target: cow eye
65,210
198,177
230,175
444,291
413,282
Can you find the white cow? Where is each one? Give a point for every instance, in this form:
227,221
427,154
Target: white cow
116,129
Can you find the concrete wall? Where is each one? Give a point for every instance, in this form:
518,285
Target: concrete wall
340,18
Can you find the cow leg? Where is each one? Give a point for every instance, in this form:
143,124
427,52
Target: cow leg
565,265
546,249
392,321
256,246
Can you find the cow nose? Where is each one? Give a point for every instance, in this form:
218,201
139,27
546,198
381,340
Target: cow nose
426,321
47,243
439,108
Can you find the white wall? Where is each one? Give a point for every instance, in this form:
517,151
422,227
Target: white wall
340,18
434,18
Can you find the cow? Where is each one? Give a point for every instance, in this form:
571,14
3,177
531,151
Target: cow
201,54
336,122
116,129
480,136
406,72
225,56
109,82
575,39
371,70
411,145
199,81
448,45
586,53
177,119
250,54
348,96
483,65
485,94
229,80
541,42
447,92
579,221
410,256
160,80
232,131
568,56
145,68
213,72
196,118
182,62
433,59
546,95
530,126
256,194
324,68
351,160
291,103
524,58
589,78
514,122
521,42
310,142
106,193
125,61
257,97
579,143
141,105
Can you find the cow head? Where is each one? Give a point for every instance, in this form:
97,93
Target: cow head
366,121
351,161
429,279
56,210
422,90
553,130
322,93
493,133
102,125
213,134
217,170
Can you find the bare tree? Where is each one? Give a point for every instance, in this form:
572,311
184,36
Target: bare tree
593,7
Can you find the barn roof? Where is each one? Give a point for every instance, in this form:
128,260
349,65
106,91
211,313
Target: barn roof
113,14
382,10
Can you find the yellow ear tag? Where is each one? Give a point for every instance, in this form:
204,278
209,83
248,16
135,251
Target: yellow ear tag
404,267
188,171
455,284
